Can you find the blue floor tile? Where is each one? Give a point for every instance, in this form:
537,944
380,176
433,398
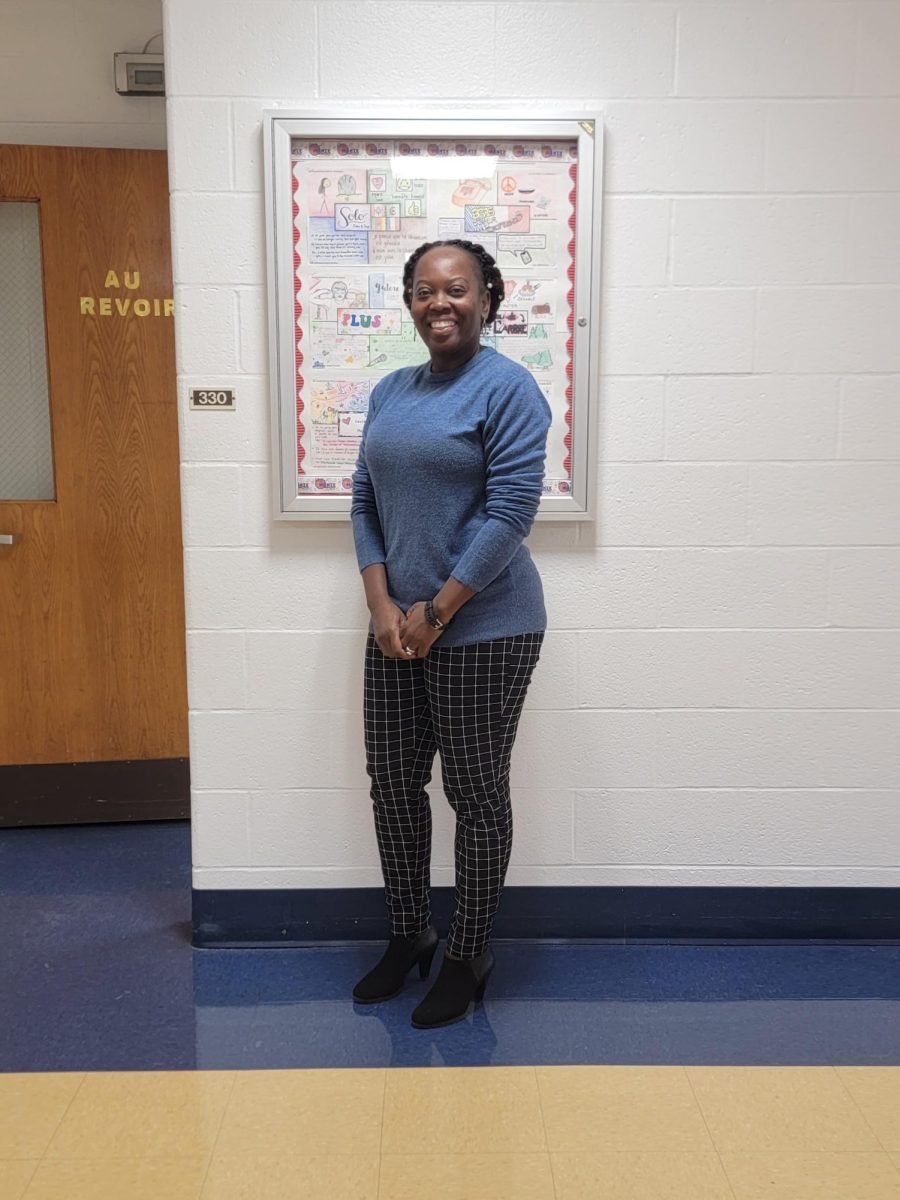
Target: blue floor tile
99,974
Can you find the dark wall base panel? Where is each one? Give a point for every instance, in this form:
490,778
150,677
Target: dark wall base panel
148,789
691,914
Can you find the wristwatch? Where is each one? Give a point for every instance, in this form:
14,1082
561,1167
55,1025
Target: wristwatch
432,618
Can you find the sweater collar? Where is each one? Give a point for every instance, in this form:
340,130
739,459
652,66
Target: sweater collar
437,377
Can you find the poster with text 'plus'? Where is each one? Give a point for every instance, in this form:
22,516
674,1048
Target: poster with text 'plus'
360,208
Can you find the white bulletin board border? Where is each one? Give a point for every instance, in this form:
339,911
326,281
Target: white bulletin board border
347,199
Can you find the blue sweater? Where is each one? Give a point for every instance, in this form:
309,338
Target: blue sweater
448,482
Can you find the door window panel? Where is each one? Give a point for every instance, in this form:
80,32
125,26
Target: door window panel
26,453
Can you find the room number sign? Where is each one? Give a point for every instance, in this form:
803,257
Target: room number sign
212,399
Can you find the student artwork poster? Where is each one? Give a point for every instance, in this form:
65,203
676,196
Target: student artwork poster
360,209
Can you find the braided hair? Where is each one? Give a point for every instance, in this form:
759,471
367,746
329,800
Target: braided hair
491,278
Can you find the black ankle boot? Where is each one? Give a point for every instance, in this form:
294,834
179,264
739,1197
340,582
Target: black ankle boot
386,979
459,984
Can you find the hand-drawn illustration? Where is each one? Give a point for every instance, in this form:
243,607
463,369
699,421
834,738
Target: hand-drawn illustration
329,349
543,357
337,412
322,188
358,215
407,196
470,191
350,215
511,322
368,321
522,250
491,218
541,190
324,185
328,399
405,349
331,294
386,290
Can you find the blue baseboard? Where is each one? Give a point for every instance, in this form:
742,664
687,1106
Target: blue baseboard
291,917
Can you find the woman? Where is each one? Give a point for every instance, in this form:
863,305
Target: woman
446,486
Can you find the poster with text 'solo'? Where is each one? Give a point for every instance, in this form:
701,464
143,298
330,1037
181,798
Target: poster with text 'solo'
360,208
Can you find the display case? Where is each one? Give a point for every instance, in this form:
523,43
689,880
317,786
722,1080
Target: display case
347,201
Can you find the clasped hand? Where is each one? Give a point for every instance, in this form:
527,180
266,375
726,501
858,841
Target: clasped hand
396,632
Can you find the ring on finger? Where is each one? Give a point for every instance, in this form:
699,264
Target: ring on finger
409,650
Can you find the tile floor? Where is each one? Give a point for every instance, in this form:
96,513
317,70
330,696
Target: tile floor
466,1133
133,1067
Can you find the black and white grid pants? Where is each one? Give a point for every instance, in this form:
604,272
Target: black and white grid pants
464,701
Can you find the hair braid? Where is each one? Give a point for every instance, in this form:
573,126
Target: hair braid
490,272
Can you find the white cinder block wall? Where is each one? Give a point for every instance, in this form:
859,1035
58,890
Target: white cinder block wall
719,698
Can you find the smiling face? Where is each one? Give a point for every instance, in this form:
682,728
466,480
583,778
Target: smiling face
448,303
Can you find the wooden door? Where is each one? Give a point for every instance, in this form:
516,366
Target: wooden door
93,705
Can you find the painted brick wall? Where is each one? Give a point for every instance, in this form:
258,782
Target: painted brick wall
719,698
57,83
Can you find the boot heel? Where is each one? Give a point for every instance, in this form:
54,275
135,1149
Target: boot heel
459,986
479,991
425,962
387,978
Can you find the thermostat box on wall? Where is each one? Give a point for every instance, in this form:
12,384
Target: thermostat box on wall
140,74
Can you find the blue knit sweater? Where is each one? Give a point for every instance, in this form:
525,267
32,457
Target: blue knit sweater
447,483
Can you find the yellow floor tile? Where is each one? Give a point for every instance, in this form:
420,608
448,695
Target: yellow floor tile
589,1109
15,1175
466,1177
313,1112
876,1091
340,1177
31,1107
774,1176
755,1109
139,1114
118,1179
639,1175
462,1110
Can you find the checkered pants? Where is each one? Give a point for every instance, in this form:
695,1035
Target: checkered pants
464,701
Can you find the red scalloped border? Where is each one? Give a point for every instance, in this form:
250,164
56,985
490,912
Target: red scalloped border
297,331
570,321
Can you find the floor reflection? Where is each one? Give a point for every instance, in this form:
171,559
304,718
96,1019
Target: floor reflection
99,974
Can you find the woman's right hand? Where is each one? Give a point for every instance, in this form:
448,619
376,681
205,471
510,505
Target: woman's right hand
386,621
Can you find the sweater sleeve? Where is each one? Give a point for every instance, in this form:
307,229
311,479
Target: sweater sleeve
367,533
515,446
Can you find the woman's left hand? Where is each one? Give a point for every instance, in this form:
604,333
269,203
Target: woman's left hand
416,633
